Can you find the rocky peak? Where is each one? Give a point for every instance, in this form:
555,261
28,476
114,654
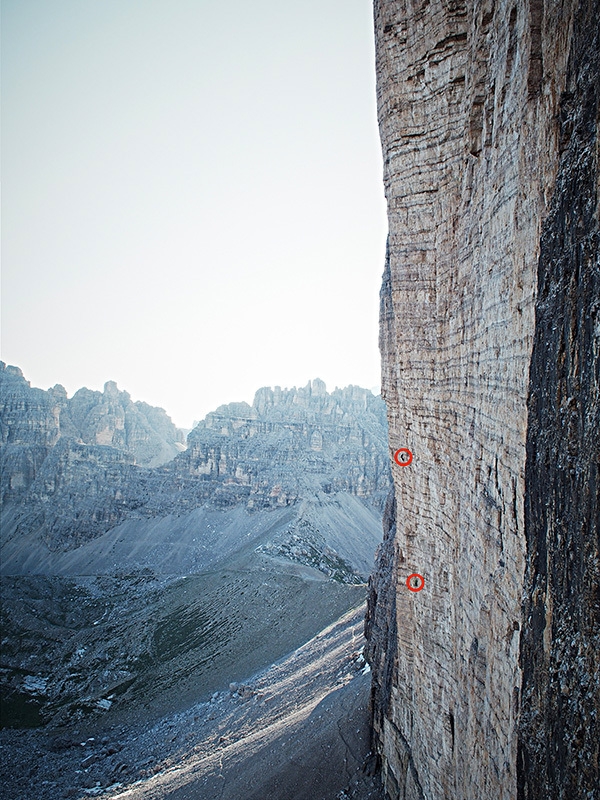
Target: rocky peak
58,393
11,371
33,421
111,390
305,397
289,445
293,441
27,416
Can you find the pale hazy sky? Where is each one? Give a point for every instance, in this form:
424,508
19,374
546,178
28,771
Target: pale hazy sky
192,199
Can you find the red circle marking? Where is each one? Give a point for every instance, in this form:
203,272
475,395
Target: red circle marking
403,463
419,578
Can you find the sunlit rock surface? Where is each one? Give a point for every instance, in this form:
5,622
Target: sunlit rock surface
486,682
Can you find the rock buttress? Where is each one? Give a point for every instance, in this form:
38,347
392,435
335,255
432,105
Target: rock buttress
469,101
559,737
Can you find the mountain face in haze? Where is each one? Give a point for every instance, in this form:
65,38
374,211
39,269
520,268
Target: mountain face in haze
70,471
32,421
130,589
291,442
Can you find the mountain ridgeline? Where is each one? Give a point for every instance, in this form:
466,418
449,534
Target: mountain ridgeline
74,469
133,588
291,442
32,421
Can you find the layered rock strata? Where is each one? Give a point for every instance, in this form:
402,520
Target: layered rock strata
288,446
559,731
33,420
485,683
293,441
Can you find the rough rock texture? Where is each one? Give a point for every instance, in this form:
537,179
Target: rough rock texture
488,115
559,737
292,441
32,421
125,586
289,445
299,729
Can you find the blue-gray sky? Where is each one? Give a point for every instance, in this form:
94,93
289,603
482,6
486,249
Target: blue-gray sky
192,196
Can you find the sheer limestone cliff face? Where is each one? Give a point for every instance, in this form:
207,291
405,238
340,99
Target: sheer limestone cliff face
470,100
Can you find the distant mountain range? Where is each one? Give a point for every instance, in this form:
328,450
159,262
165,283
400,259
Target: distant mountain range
190,567
75,469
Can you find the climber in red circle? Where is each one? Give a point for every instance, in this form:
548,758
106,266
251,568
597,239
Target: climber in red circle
415,582
408,460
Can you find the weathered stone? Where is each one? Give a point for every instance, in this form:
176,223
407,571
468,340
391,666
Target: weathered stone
32,421
559,730
289,445
471,98
293,441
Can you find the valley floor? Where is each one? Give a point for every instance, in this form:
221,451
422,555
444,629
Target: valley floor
296,731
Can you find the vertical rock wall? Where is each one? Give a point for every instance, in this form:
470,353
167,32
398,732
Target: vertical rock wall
470,96
559,741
